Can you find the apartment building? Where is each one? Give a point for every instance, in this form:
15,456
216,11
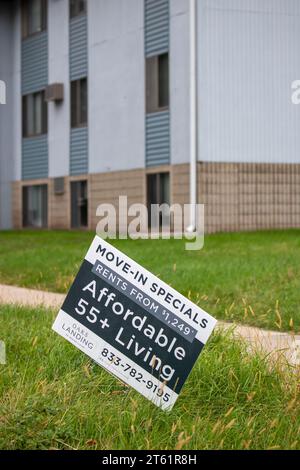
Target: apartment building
97,106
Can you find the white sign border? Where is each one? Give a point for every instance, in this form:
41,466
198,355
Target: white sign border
64,320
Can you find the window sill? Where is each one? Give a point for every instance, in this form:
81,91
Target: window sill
84,13
79,126
158,110
34,135
33,34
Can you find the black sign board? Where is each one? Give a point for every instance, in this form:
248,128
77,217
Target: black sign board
133,324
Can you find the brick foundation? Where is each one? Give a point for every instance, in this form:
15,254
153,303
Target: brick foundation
241,196
102,188
107,187
58,206
249,196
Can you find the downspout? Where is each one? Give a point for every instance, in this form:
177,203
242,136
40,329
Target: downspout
193,115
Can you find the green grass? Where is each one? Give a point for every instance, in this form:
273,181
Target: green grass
252,278
53,396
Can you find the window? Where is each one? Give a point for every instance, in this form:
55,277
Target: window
77,7
79,103
34,17
35,201
158,190
34,109
163,80
79,204
157,83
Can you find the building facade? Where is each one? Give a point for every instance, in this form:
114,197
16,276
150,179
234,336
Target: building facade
97,106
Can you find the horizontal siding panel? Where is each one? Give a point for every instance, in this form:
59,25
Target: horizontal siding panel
78,47
156,26
155,122
158,149
34,63
158,141
158,138
160,20
160,47
79,151
154,5
154,51
35,157
156,9
78,69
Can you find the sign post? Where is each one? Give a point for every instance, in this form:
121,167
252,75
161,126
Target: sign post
133,324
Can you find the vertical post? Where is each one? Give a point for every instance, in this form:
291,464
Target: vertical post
193,115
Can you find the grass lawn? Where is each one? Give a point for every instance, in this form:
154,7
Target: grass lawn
252,278
53,396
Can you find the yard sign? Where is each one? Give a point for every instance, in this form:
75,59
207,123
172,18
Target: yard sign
133,324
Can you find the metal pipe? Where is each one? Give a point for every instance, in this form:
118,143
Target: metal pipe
193,115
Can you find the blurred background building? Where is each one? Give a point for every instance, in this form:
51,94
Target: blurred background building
97,106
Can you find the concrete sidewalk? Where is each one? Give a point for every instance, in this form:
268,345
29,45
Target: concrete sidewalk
273,343
30,297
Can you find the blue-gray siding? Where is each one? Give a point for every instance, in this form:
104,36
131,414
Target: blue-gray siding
158,138
34,73
78,47
78,69
79,151
34,62
156,26
35,157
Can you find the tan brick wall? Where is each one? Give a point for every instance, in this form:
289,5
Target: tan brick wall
180,184
17,215
16,204
236,196
102,188
249,196
218,190
59,206
107,187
